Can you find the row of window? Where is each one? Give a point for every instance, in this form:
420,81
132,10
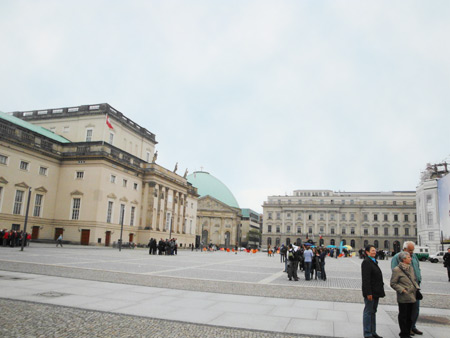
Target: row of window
24,165
19,200
109,213
310,217
79,175
343,202
343,230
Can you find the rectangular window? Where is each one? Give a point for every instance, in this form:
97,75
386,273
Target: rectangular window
310,230
431,236
79,175
124,183
299,216
406,218
89,133
310,217
24,165
113,179
288,215
352,217
321,230
331,217
321,217
18,201
386,231
366,231
269,215
343,231
122,213
395,218
429,199
385,217
278,215
366,217
37,205
43,171
332,231
299,230
111,138
396,231
375,231
148,157
342,217
135,186
352,231
133,210
76,204
278,229
406,231
343,201
288,228
430,219
269,228
375,217
3,159
109,212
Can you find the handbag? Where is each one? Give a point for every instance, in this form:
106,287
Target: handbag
419,295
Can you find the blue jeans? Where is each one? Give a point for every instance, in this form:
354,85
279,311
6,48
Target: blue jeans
307,270
415,313
369,316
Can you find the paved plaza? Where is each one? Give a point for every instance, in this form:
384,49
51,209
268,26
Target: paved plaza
101,292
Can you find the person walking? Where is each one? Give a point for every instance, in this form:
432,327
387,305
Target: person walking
372,290
291,266
409,247
323,254
404,283
59,240
447,262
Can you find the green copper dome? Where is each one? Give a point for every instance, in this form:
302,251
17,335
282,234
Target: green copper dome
209,185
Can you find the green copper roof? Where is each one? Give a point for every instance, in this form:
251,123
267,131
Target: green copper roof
37,129
209,185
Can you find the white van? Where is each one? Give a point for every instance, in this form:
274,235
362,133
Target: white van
437,257
422,252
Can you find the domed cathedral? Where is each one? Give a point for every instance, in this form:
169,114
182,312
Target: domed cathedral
218,212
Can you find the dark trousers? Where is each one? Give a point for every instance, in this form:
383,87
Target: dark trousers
322,267
370,316
415,313
308,270
448,271
404,319
292,267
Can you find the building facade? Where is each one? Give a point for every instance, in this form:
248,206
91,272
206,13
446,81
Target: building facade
84,185
251,228
384,219
428,221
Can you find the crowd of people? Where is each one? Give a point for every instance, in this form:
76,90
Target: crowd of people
13,238
166,247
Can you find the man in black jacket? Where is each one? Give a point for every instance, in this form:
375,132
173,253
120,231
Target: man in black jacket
447,262
372,289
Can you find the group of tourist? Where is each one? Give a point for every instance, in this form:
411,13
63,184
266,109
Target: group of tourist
405,280
166,247
13,238
307,259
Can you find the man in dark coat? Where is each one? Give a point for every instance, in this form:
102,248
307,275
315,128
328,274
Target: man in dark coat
372,289
447,262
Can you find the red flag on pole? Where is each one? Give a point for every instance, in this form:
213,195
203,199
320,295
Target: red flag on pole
108,123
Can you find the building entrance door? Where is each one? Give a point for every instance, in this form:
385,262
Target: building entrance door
85,236
108,238
35,232
130,238
58,231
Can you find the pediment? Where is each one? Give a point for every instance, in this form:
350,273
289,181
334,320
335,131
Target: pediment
41,189
3,180
134,202
90,125
112,196
22,185
211,204
76,192
124,199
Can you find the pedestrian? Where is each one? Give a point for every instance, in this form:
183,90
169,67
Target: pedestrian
323,254
372,290
409,247
308,255
447,262
291,266
59,240
404,283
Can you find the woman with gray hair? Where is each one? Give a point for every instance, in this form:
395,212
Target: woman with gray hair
403,281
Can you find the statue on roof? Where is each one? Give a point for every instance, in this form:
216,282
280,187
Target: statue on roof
155,156
176,167
185,173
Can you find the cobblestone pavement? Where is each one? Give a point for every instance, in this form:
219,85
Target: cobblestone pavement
246,274
25,319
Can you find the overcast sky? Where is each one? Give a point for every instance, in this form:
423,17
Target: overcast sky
268,96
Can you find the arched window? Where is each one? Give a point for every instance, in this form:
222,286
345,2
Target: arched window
344,242
352,243
386,245
366,243
277,242
332,242
269,241
321,242
375,244
298,242
288,241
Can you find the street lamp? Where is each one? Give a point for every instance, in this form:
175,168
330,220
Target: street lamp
122,212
